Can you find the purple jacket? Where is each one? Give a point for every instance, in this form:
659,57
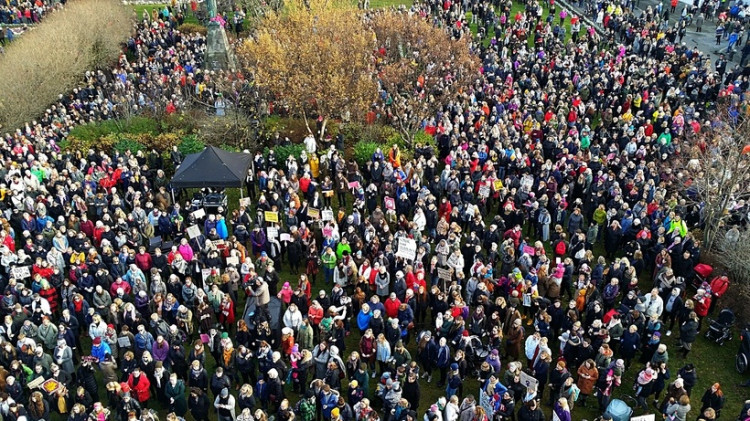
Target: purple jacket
160,353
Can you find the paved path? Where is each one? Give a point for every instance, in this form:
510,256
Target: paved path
705,40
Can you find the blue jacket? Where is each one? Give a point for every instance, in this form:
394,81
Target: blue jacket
443,356
99,351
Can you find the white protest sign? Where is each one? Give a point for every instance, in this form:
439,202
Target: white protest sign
649,417
529,381
205,273
484,191
233,260
327,215
407,248
444,274
273,232
200,213
193,231
285,237
527,181
20,272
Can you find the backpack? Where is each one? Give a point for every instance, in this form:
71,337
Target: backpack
560,247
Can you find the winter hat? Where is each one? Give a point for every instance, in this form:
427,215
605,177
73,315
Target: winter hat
224,392
454,367
645,376
97,341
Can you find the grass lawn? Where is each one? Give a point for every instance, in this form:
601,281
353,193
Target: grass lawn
139,8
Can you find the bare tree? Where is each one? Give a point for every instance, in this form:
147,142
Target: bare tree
714,171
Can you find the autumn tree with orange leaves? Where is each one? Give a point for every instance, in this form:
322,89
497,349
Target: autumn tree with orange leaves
420,67
315,57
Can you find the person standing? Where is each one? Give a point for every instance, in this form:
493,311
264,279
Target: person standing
224,404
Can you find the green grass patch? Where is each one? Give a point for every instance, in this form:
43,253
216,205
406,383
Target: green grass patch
139,8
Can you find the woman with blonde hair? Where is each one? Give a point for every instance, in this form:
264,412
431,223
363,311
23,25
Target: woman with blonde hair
678,410
562,410
383,353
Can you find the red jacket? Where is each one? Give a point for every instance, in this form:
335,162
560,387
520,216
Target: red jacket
391,307
141,391
702,306
719,286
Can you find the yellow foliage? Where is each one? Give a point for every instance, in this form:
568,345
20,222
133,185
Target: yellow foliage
315,56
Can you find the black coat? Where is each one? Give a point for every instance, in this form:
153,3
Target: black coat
199,406
526,414
688,331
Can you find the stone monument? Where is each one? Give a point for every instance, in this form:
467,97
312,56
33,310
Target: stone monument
219,54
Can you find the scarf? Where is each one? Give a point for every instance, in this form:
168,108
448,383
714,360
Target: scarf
227,356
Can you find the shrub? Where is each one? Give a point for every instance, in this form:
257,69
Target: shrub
363,151
424,139
192,28
51,59
190,144
283,152
131,145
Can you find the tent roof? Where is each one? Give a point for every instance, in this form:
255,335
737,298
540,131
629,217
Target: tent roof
213,167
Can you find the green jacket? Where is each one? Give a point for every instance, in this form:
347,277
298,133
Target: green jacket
307,410
600,216
329,260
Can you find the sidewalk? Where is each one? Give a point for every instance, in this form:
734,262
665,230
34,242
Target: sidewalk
704,40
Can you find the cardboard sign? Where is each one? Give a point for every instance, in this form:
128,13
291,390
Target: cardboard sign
205,273
407,248
529,250
354,185
271,216
20,272
200,213
484,191
649,417
233,260
485,401
528,380
193,231
444,274
273,232
245,201
123,342
285,237
327,231
498,185
327,215
205,338
313,213
390,203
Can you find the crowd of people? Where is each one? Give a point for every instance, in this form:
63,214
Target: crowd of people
508,261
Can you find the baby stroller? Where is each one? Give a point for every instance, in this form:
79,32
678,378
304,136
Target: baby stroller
702,272
619,410
476,353
720,330
743,354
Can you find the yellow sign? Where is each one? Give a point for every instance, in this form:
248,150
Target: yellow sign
271,216
498,184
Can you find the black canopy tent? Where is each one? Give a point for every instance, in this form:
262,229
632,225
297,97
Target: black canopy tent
213,167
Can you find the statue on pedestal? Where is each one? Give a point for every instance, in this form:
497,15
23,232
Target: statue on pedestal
219,54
